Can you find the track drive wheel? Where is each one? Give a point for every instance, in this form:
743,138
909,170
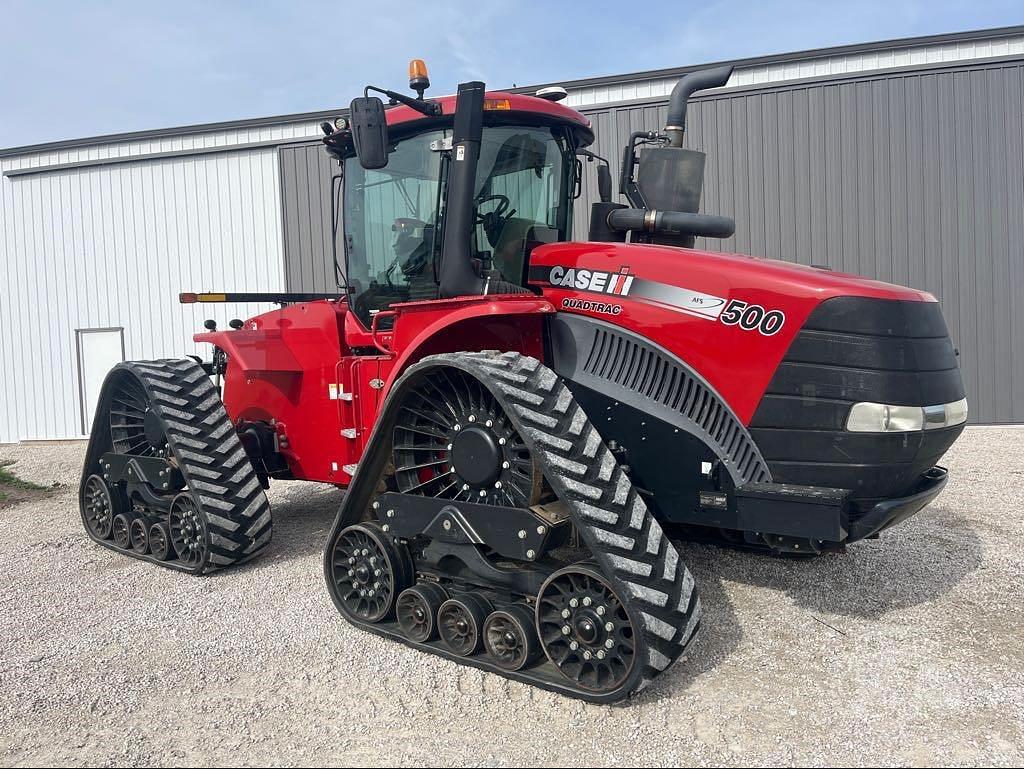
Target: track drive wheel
460,622
510,638
101,506
416,610
370,569
585,629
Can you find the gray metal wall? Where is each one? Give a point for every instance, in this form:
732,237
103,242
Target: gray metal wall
914,177
306,172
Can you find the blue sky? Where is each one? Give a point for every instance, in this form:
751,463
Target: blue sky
73,69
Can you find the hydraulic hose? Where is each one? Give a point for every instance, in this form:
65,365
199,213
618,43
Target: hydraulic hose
671,223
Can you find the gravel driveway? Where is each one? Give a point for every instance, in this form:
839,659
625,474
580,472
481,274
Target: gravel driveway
906,650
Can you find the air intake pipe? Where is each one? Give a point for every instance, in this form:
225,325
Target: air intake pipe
670,224
689,84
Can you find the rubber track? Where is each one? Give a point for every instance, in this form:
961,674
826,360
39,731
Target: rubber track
634,554
628,544
211,458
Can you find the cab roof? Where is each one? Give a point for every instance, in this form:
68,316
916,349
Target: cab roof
516,102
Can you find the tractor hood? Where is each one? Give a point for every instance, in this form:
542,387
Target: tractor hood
695,304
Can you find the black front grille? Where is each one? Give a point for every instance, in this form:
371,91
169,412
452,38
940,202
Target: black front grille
854,349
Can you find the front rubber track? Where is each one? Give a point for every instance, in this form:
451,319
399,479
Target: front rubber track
205,445
625,540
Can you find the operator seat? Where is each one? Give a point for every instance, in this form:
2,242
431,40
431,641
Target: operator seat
518,238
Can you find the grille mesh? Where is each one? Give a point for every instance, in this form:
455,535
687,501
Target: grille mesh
659,378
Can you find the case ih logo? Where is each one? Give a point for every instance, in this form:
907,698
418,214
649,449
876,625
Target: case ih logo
617,283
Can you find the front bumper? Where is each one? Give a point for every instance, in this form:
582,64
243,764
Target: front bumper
892,511
792,518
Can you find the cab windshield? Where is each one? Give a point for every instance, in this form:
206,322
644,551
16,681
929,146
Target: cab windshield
393,216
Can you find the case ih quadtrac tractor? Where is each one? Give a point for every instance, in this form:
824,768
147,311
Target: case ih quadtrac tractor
521,420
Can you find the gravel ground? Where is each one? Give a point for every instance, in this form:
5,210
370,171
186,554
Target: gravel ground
905,650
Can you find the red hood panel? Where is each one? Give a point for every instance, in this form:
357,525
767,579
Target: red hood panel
729,316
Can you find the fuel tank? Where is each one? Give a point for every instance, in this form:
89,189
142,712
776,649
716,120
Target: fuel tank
750,363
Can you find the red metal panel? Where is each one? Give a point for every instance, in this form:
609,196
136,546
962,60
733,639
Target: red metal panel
666,282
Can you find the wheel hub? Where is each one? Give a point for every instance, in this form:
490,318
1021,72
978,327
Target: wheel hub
153,428
365,574
98,507
188,531
454,441
588,630
476,456
585,630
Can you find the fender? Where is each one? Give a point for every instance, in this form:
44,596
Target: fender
622,369
466,324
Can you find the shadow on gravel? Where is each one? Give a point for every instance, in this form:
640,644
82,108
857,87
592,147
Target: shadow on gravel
913,563
917,562
303,514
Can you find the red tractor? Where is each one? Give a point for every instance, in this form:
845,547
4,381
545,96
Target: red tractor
518,418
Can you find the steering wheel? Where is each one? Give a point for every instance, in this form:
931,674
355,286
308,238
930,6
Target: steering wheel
499,211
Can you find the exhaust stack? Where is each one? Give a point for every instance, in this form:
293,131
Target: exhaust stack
689,84
663,182
457,276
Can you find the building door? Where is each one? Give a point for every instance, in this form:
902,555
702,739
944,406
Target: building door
99,350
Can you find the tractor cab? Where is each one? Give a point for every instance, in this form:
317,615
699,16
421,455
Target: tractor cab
399,192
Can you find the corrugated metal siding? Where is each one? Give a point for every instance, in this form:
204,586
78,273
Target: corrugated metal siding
306,172
113,246
914,178
814,66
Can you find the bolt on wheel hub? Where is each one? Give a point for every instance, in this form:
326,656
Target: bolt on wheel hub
188,530
584,628
367,572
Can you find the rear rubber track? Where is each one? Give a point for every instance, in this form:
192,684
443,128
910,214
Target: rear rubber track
203,442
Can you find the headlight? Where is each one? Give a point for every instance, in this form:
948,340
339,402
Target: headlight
885,418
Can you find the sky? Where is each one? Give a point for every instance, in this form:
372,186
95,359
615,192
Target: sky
86,68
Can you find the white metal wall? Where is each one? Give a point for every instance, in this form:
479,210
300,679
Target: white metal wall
113,245
816,66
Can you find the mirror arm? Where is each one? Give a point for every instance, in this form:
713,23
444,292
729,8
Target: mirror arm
424,107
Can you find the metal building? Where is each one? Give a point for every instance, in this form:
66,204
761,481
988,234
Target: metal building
902,160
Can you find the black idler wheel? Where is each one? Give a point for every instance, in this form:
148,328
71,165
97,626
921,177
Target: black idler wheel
585,630
370,569
460,622
510,638
416,610
138,535
160,541
101,505
121,530
187,526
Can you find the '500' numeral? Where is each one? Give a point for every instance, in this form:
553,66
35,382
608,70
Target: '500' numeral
751,316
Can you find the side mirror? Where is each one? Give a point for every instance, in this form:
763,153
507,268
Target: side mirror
604,183
369,131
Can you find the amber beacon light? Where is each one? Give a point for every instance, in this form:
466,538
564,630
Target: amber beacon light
419,80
